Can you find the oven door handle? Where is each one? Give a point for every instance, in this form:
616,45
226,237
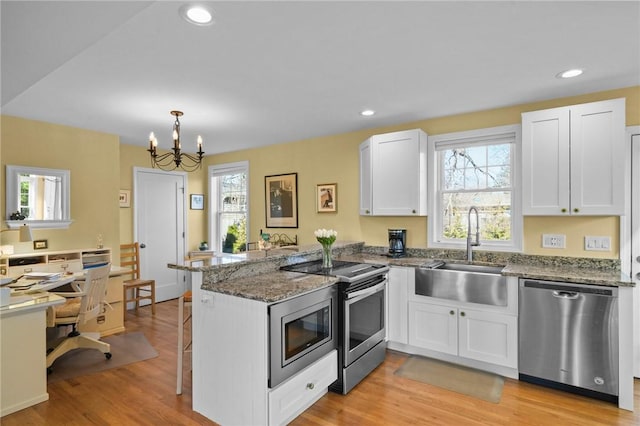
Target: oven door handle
367,291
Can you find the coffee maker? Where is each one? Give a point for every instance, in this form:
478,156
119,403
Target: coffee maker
397,242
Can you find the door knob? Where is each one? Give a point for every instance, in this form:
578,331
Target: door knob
143,245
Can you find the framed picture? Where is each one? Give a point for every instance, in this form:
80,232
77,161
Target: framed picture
281,200
40,244
327,197
197,201
125,198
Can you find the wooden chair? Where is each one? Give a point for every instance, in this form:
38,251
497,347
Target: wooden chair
83,304
140,289
184,317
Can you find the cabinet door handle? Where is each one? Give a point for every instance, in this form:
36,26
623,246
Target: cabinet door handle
310,386
563,210
462,314
413,211
576,210
451,312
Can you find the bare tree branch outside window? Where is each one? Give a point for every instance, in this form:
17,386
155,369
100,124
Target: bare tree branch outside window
476,176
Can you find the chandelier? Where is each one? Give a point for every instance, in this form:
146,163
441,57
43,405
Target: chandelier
175,159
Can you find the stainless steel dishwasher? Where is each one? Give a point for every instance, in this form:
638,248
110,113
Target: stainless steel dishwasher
568,337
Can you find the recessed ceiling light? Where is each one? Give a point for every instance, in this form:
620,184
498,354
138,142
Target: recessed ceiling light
367,112
570,73
196,14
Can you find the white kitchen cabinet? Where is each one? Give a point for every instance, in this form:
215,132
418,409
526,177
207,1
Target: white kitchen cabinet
231,364
397,316
433,327
488,337
292,397
473,334
572,160
393,174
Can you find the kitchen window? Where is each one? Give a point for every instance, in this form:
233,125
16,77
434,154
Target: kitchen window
229,207
476,168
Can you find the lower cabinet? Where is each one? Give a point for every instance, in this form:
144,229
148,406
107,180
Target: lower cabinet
111,319
483,336
295,395
397,292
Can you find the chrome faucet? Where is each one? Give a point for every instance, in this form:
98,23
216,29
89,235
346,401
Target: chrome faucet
470,243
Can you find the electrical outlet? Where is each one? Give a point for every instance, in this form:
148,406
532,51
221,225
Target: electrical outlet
592,243
553,241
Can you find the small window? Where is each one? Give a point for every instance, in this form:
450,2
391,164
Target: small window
229,218
479,169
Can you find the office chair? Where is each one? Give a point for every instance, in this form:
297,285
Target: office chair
140,289
83,304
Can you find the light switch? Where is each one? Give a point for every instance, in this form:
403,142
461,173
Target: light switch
553,241
594,243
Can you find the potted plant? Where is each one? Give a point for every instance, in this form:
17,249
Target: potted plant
203,246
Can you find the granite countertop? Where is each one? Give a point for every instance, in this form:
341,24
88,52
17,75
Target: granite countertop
273,287
257,275
572,273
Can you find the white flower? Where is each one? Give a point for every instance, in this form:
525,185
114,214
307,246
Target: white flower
325,233
326,236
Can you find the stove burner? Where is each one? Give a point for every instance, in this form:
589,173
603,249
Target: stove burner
347,271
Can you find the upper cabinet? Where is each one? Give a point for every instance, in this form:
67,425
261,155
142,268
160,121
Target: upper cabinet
393,179
573,160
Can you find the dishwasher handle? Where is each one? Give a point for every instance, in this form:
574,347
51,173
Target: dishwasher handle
565,294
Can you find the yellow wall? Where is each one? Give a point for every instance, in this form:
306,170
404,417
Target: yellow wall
335,159
100,166
92,159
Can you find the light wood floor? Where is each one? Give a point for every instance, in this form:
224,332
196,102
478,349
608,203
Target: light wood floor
144,394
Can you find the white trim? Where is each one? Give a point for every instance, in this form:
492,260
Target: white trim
630,247
219,170
479,137
185,181
39,224
12,182
185,222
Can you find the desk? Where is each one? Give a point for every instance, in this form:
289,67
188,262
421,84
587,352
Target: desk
23,378
43,286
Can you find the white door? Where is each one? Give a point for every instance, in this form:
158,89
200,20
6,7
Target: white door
159,227
635,248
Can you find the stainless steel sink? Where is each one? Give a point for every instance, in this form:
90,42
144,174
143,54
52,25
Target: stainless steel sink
463,282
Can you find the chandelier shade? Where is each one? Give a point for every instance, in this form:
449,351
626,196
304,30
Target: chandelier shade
175,159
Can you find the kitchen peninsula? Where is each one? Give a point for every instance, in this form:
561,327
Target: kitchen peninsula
231,337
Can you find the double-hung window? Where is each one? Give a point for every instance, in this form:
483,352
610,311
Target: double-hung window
229,207
477,168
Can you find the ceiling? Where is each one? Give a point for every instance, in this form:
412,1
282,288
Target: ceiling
272,72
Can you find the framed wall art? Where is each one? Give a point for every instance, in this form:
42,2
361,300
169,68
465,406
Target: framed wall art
197,201
327,197
40,244
281,200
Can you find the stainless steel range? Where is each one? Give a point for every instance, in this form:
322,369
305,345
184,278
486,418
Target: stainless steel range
361,327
